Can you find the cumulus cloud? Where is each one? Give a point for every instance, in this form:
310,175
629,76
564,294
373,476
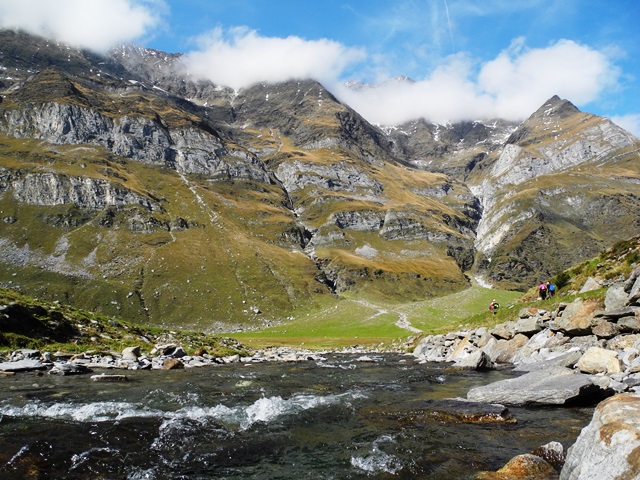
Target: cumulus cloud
95,24
511,86
631,123
240,57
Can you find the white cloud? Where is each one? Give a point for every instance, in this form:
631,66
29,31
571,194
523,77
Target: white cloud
630,122
93,24
511,86
520,80
241,57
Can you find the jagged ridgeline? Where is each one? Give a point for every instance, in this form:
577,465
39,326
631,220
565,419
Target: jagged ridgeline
129,188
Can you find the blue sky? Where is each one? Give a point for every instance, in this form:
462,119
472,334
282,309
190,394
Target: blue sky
469,58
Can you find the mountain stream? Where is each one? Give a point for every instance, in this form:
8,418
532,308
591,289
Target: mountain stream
341,418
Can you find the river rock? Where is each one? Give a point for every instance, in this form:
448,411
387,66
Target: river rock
528,326
567,359
609,447
69,369
131,353
172,364
576,318
477,360
461,410
103,377
503,351
599,360
526,466
461,350
552,386
552,453
24,353
25,365
505,330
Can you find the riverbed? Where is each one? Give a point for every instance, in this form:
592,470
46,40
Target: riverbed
341,417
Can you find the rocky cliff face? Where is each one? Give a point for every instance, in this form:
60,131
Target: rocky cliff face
562,175
275,194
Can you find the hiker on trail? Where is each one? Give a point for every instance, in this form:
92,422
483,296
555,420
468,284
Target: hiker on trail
543,291
494,306
551,289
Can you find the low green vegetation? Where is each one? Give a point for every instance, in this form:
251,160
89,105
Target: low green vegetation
30,323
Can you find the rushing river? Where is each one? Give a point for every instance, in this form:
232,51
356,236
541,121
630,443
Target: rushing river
334,419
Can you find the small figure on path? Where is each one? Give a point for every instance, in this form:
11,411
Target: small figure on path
494,306
551,289
543,291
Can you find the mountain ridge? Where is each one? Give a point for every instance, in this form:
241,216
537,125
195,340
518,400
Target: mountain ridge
269,198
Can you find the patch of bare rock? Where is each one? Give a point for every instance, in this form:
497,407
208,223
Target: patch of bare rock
577,354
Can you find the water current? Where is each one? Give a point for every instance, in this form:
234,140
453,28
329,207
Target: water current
340,418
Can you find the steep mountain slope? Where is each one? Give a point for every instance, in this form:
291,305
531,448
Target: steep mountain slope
565,185
228,208
130,188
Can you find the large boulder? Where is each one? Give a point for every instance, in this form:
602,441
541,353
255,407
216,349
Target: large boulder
552,386
589,285
616,298
599,360
504,330
576,319
503,351
477,360
609,447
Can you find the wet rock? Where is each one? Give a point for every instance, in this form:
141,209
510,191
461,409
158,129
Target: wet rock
527,466
69,369
172,364
599,360
461,410
609,447
553,386
553,453
109,378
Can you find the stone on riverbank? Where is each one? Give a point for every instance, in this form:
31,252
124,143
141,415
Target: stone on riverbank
553,386
609,447
25,365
